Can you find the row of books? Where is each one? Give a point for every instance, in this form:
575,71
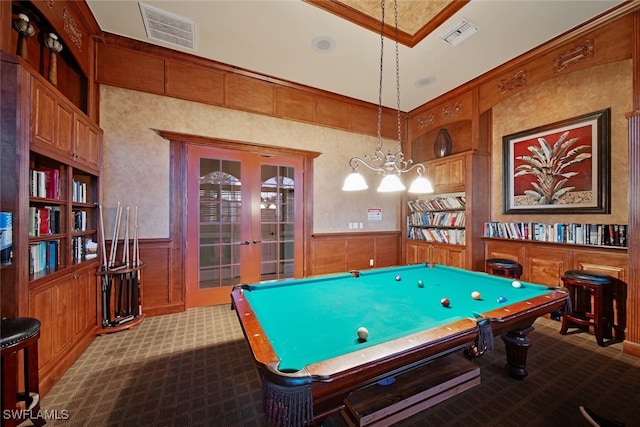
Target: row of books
44,220
442,219
79,194
573,233
44,256
6,238
78,249
452,236
45,183
80,220
437,204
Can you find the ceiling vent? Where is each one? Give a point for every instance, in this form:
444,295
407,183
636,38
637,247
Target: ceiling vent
460,32
166,27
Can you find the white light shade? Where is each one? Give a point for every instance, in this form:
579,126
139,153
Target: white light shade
421,185
354,182
391,183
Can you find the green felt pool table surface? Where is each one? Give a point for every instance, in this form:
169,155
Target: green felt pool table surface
315,319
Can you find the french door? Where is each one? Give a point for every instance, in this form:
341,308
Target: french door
244,221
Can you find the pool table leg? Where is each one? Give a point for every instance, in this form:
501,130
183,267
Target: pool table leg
516,345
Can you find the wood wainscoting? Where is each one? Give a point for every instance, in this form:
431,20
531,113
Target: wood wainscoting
341,252
162,277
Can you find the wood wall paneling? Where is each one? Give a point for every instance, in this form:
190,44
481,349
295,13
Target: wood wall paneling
295,105
608,44
359,252
133,70
387,250
194,83
332,113
162,291
341,252
249,94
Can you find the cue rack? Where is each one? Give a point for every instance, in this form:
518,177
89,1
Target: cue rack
120,275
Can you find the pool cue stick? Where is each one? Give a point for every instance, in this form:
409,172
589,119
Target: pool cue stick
105,279
125,241
125,262
114,239
101,236
136,253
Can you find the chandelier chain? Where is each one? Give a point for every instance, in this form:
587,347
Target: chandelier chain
382,2
395,18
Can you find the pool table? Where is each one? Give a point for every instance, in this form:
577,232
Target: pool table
303,333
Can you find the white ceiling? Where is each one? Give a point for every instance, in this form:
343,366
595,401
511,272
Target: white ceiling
274,38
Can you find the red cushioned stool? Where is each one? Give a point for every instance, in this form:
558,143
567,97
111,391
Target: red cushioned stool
591,299
18,334
503,267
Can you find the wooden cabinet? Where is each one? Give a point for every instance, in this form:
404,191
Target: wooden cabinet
545,263
60,130
50,185
452,255
446,227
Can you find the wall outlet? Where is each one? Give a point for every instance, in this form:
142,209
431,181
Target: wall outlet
371,262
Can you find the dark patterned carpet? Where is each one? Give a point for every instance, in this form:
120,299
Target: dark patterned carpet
194,369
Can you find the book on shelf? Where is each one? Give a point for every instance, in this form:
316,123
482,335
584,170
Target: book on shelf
437,204
44,256
441,219
79,192
44,183
572,233
44,220
6,238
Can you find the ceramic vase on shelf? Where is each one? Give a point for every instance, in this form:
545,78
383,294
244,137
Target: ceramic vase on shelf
442,144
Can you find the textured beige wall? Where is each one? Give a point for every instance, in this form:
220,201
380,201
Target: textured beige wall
136,159
569,96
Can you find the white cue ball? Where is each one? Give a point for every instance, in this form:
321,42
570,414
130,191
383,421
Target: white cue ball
475,295
363,333
516,284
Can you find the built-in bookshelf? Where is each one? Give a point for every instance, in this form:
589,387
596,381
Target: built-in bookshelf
571,233
439,219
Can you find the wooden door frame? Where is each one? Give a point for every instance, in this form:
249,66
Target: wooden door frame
178,191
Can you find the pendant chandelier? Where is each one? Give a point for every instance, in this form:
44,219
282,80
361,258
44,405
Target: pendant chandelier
390,165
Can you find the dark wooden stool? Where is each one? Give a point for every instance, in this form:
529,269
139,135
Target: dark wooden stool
591,303
17,334
503,267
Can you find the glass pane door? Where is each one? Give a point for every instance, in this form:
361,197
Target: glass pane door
277,222
220,223
244,221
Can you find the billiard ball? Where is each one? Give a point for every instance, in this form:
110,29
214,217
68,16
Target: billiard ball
475,295
516,284
445,302
420,284
363,333
398,278
502,299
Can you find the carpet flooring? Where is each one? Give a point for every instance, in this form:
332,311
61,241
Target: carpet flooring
195,369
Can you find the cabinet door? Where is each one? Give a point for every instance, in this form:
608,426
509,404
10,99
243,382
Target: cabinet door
86,299
51,122
447,175
456,258
87,143
545,266
64,296
41,303
440,255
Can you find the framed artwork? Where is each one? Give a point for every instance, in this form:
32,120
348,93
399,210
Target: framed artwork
563,167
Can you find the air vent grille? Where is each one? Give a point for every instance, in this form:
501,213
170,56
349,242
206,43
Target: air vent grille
460,32
167,27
